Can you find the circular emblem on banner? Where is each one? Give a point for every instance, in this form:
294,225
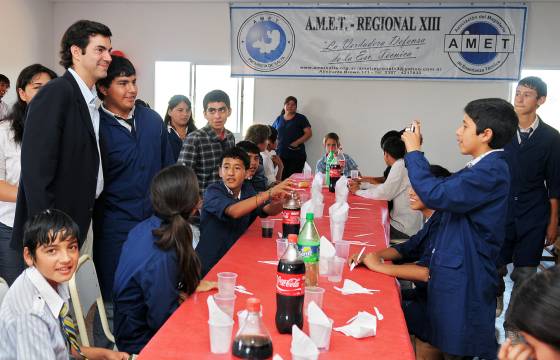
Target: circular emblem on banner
479,43
265,41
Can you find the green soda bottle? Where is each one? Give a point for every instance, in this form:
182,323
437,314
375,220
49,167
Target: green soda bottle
308,246
331,159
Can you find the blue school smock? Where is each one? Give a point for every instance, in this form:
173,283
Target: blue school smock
218,231
145,292
288,132
129,164
463,276
175,142
535,178
419,249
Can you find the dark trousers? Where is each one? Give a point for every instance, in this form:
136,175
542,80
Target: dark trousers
11,261
292,166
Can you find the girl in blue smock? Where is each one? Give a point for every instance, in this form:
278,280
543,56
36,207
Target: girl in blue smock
293,131
158,265
179,121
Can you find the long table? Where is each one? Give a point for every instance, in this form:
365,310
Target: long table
185,334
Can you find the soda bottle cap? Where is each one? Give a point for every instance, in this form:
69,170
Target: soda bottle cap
292,238
309,216
253,304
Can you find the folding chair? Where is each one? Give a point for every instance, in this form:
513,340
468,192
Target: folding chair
85,294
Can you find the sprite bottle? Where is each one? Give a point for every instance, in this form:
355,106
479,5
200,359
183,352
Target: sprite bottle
308,246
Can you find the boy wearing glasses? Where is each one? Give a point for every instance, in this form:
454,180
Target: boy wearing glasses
534,164
203,149
231,205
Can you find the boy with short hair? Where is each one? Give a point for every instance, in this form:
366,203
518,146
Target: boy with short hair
253,152
404,221
534,162
331,142
34,319
258,134
203,148
473,204
231,205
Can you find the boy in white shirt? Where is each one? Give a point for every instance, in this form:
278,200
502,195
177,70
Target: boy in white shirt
34,319
404,221
273,166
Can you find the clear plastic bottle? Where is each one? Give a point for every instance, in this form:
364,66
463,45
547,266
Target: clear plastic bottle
308,246
252,341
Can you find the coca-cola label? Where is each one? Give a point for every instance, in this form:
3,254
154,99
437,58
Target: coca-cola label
290,284
309,253
290,217
335,172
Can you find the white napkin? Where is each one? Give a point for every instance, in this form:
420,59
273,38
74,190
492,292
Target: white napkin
302,345
306,207
338,212
360,326
327,252
216,315
351,287
317,197
316,315
307,172
341,189
277,357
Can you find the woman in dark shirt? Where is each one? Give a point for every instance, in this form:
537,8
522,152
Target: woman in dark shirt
179,121
293,131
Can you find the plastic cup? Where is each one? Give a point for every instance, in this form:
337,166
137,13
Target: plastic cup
267,228
226,303
304,196
281,245
313,293
354,174
337,230
321,334
342,248
335,273
226,283
220,337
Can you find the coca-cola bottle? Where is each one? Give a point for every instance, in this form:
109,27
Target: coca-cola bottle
252,341
290,290
334,170
290,214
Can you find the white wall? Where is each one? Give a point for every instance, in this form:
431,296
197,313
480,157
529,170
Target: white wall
26,38
359,110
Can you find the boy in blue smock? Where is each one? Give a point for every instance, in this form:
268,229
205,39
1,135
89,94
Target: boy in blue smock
231,205
473,203
533,156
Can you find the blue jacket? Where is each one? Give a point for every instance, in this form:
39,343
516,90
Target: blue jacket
145,291
535,178
129,164
218,231
463,277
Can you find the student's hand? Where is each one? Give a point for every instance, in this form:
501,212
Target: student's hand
354,259
277,161
281,190
372,261
353,186
515,352
116,355
95,353
206,285
412,140
551,233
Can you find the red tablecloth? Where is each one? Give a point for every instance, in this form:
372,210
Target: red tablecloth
185,335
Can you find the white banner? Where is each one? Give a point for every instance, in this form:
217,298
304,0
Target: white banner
387,41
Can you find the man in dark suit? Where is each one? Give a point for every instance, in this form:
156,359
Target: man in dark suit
60,165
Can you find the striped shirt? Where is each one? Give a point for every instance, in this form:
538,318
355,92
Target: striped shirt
202,151
29,325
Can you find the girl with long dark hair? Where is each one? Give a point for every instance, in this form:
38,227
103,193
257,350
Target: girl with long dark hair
179,121
28,83
158,266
